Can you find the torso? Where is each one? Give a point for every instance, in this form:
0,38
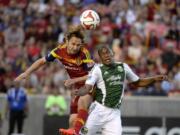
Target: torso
110,86
74,64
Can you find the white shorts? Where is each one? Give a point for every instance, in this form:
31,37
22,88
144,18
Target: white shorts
103,119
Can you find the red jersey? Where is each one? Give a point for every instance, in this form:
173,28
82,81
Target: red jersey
76,65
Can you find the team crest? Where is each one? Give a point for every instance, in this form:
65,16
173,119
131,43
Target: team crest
106,72
120,69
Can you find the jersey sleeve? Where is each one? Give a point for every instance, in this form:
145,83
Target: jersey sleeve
87,61
130,75
51,56
93,75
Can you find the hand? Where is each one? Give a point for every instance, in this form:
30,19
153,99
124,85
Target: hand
161,77
75,92
69,82
21,77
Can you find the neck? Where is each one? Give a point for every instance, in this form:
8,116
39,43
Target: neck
110,65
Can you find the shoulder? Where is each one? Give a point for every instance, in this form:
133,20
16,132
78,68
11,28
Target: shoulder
85,52
125,65
10,91
56,52
60,46
96,67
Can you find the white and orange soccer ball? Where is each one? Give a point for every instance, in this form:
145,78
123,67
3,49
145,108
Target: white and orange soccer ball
89,19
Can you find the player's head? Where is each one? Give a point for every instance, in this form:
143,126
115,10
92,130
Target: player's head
106,55
74,40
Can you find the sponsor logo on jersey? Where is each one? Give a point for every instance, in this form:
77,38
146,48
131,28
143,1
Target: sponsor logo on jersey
71,68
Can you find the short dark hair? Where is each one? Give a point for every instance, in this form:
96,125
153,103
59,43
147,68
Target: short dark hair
101,47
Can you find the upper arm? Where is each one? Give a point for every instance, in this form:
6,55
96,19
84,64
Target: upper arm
93,76
130,75
51,56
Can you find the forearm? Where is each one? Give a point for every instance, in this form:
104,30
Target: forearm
142,82
146,81
35,65
84,90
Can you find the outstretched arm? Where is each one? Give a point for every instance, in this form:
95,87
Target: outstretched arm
37,64
142,82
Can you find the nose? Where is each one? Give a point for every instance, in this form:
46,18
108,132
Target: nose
75,48
106,55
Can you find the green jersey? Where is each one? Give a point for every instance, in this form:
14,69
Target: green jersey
110,82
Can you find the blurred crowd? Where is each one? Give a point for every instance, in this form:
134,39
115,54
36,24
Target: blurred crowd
142,33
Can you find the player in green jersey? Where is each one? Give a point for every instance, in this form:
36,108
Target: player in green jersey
109,79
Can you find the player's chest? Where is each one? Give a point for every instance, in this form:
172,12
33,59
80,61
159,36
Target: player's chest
116,73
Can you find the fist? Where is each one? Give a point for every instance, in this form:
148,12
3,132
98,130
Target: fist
161,78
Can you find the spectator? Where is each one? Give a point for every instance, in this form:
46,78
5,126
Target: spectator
157,90
135,50
55,103
34,27
169,58
14,38
176,81
17,108
14,35
3,88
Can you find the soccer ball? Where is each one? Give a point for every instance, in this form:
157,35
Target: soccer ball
89,19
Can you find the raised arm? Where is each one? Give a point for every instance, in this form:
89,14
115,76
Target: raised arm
37,64
142,82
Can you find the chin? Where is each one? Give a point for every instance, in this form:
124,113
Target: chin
72,53
107,64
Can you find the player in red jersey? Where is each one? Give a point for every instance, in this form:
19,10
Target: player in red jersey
76,60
